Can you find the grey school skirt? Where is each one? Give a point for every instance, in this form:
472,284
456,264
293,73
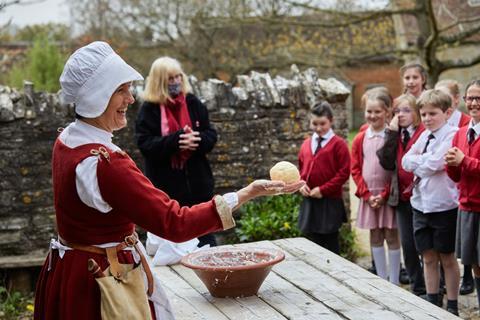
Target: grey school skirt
467,239
324,215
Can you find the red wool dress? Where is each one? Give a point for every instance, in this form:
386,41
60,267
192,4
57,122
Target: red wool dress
68,290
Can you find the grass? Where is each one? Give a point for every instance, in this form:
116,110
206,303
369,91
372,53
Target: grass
351,135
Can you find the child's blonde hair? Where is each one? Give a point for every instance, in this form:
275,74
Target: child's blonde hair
380,94
452,86
412,103
156,89
435,98
371,92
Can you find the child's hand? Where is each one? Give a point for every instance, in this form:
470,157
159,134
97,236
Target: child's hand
379,201
305,191
371,202
315,193
393,125
454,157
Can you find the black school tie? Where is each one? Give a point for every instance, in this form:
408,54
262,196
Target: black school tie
405,138
471,135
319,145
430,137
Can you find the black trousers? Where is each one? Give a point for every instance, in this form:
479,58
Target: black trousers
410,254
328,240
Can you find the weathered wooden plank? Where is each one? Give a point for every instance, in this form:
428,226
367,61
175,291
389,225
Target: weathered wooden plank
248,308
186,302
361,281
292,302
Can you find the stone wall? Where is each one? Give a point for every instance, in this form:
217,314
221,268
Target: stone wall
260,122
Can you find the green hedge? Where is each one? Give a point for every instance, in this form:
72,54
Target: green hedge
272,218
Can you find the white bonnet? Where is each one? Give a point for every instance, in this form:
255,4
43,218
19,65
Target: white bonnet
91,76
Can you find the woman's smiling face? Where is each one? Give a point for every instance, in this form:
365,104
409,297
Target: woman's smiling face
114,117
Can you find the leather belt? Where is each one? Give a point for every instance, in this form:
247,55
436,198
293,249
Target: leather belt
111,253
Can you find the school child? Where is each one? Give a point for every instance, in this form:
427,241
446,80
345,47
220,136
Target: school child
434,198
401,133
463,167
451,87
458,119
373,186
414,78
324,162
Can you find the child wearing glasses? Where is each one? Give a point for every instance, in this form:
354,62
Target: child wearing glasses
402,132
463,167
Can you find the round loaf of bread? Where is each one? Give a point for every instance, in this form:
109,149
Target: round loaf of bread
285,171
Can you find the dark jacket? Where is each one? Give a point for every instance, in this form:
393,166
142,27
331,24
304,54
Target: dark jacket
192,184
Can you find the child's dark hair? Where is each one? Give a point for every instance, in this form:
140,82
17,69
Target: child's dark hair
323,109
475,82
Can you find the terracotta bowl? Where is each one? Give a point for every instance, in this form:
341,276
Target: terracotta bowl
233,272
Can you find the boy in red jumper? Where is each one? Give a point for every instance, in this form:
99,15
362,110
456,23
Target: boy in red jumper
324,163
463,167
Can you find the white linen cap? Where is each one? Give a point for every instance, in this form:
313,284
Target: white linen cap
91,76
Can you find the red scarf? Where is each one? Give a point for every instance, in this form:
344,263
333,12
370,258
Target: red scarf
174,116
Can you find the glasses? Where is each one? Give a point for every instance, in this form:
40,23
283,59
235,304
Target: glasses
403,110
470,99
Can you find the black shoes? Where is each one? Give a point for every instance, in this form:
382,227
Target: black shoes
467,287
453,311
403,277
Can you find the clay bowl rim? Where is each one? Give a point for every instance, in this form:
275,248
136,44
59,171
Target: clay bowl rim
278,255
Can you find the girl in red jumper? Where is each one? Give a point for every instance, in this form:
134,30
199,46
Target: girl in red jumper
324,163
373,186
402,132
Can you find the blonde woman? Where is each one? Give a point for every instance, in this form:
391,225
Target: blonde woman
174,134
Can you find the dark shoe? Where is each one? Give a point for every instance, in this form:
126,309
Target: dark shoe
419,291
438,303
453,311
466,287
372,269
403,277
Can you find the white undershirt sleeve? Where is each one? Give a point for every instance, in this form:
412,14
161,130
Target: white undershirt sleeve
87,185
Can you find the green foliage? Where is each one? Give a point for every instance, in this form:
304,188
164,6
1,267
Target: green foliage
269,218
13,305
51,31
272,218
349,249
43,66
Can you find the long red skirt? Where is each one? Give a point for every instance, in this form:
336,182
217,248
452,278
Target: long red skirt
69,290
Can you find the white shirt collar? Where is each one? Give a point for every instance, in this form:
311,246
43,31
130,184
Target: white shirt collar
369,133
454,119
475,127
326,138
79,133
440,132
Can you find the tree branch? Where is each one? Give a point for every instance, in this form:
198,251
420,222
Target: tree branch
459,22
460,36
460,63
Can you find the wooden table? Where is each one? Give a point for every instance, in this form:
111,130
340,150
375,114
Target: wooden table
311,283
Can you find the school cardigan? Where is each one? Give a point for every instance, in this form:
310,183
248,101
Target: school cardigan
66,289
467,174
391,154
357,165
192,184
464,120
328,169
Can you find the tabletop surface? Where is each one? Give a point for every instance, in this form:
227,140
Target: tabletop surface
311,283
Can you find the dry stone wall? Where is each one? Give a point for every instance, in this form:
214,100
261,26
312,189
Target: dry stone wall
259,122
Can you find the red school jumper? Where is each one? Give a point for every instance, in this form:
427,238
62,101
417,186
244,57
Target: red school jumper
405,178
464,120
328,169
357,166
467,174
68,290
